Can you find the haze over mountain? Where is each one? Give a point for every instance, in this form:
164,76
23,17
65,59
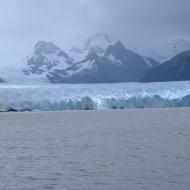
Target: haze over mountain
99,59
165,50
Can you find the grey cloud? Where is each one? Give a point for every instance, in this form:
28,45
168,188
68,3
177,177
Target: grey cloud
23,22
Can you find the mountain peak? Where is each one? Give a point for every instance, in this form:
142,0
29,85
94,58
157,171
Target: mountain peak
120,45
117,48
46,47
46,57
98,43
75,50
103,36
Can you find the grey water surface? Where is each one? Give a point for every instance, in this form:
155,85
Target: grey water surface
95,150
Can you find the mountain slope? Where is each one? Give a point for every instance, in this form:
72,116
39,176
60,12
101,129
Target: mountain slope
1,80
176,69
132,66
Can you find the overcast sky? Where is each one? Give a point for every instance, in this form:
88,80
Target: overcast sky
67,22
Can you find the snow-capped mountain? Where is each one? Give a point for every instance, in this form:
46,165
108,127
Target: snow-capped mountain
164,51
114,64
176,69
98,61
46,57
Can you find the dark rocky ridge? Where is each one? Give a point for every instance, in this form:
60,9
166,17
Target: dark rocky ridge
176,69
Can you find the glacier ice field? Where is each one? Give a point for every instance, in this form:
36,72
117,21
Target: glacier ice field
51,97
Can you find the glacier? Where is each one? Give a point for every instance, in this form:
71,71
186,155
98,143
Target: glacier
51,97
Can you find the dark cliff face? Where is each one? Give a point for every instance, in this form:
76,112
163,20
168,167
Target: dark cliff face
176,69
133,66
2,80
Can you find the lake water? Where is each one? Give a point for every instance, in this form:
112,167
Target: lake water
95,150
